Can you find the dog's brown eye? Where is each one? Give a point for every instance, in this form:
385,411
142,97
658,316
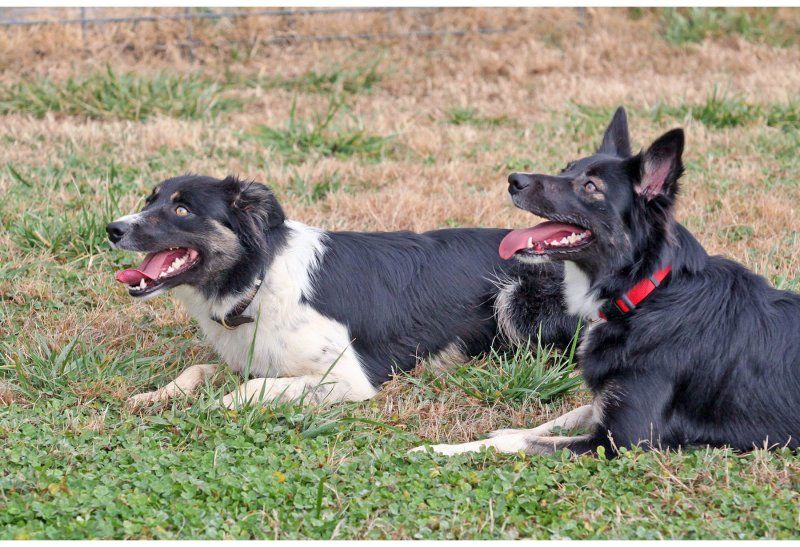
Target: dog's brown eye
590,187
181,211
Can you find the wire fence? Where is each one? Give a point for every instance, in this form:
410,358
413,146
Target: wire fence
89,18
85,20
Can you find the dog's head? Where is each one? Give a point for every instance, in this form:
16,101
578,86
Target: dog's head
209,233
603,210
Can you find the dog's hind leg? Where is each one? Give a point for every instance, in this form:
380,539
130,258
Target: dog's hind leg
185,384
309,389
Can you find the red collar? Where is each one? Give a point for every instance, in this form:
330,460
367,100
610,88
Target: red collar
633,297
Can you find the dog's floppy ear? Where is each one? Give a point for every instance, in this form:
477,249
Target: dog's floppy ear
617,139
254,208
661,166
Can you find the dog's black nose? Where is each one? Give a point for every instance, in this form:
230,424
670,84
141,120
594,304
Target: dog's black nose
116,230
518,182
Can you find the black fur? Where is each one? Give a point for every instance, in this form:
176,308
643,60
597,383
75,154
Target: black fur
538,292
405,295
712,356
402,295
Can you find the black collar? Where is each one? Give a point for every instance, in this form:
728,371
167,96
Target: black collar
234,318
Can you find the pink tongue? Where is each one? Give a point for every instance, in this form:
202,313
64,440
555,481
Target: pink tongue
151,267
517,240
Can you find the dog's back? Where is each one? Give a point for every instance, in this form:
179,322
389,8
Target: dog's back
405,295
744,387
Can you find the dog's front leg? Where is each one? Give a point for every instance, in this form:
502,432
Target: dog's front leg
310,389
511,441
185,384
581,417
524,442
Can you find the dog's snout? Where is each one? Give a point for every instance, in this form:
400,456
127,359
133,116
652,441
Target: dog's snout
116,230
518,182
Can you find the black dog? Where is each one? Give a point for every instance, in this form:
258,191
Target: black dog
683,349
336,313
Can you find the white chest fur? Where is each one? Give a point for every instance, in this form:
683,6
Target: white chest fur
293,339
577,296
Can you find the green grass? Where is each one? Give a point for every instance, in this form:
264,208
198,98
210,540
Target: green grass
275,473
516,163
721,110
45,372
322,135
73,237
336,79
312,191
526,373
131,96
689,25
113,95
464,115
77,235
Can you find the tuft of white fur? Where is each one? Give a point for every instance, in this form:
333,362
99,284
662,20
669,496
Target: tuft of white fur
577,295
131,220
502,310
532,259
293,339
451,355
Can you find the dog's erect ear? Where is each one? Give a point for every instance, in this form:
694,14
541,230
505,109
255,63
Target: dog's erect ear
254,208
661,166
617,139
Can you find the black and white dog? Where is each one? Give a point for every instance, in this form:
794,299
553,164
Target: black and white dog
336,313
683,349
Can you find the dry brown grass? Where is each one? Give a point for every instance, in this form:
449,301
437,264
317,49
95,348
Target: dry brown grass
438,174
451,417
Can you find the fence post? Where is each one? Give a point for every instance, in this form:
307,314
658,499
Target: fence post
189,35
84,25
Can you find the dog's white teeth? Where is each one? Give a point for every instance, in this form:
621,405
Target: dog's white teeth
142,284
530,242
176,265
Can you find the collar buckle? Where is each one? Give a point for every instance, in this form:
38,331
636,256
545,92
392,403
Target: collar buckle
234,318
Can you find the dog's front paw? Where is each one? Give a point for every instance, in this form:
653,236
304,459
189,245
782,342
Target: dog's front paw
421,448
228,401
510,442
443,449
142,399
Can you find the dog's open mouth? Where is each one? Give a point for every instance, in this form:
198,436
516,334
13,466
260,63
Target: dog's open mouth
549,236
157,269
